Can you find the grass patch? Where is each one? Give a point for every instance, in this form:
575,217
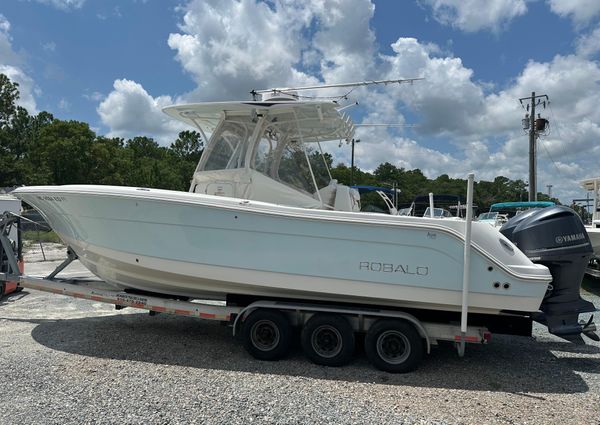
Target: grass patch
35,236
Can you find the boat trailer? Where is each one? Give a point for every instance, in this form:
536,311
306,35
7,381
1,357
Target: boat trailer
244,319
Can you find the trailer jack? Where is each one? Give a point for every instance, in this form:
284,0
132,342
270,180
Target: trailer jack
11,254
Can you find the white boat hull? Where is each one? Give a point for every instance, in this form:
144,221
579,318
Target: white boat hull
594,234
204,246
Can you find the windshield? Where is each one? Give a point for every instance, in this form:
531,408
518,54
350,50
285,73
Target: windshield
285,160
228,146
278,153
437,212
488,216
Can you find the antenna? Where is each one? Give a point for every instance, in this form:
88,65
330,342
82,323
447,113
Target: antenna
254,93
387,125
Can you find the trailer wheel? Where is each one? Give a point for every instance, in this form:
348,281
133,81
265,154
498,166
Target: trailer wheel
394,346
267,334
2,288
328,340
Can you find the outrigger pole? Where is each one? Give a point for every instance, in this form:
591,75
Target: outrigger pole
254,93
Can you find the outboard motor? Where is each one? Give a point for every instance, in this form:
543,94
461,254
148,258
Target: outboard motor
556,238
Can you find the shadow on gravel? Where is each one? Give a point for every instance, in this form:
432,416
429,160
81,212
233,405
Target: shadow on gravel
516,365
592,285
13,297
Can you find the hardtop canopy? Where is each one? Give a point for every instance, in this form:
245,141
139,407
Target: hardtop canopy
317,121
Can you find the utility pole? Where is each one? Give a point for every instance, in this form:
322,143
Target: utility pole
549,186
530,123
532,154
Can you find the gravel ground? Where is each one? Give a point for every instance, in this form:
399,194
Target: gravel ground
74,361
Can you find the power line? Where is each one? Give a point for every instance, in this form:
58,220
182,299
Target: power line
551,159
564,152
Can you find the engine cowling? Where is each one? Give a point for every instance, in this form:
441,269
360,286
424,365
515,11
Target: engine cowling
556,238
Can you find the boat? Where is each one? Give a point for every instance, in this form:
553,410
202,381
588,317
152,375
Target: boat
593,228
500,212
264,219
442,206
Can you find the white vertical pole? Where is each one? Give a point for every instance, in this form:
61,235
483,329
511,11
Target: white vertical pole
467,260
595,215
431,214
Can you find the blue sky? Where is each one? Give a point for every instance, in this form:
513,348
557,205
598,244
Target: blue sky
114,64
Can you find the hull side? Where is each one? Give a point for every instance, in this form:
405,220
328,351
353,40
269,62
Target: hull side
214,282
208,246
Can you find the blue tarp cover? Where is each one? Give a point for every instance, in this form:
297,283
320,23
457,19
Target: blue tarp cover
523,204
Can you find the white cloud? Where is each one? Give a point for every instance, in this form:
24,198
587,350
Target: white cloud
64,104
447,100
65,5
484,124
130,111
49,46
580,11
11,65
473,15
229,48
27,86
588,45
571,83
7,55
94,96
4,24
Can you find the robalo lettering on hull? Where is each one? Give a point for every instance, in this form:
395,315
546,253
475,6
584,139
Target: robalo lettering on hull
393,268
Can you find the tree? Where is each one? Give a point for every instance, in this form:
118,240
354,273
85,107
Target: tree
9,94
188,146
185,153
64,150
110,162
145,147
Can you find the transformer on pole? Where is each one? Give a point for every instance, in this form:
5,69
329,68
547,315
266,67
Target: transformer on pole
534,126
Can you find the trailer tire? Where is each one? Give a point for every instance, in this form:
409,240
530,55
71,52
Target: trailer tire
267,334
2,289
328,339
394,346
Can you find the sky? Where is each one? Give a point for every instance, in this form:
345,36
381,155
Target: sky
115,64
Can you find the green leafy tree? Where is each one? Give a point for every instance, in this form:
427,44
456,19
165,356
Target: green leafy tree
188,146
18,133
63,150
152,165
185,152
9,94
110,162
